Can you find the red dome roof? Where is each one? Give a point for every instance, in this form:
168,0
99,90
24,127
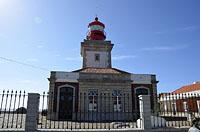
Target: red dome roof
96,22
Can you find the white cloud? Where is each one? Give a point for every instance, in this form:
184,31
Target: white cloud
32,60
180,29
160,32
73,58
165,48
25,81
40,46
38,20
1,62
188,28
122,57
3,36
57,55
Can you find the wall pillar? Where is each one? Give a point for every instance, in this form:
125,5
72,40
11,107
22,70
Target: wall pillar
51,114
32,112
145,111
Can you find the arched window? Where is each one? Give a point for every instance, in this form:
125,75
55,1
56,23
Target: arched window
142,91
92,96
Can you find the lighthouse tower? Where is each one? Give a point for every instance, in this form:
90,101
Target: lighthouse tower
74,96
95,50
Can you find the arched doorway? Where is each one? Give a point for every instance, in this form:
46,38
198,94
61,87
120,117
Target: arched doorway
140,91
65,103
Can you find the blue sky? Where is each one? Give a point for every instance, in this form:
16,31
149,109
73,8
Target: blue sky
150,36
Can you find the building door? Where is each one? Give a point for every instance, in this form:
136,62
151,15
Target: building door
66,103
139,91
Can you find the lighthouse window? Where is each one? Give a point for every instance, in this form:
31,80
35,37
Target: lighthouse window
97,57
96,27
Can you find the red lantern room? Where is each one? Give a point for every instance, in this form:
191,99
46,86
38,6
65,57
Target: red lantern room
96,30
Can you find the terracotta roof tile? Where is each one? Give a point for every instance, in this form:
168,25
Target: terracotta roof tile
101,70
188,88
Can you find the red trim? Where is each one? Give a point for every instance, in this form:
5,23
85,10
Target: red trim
97,23
96,35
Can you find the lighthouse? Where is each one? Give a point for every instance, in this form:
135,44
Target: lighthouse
97,91
96,50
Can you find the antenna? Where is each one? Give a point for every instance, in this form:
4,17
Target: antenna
96,17
97,8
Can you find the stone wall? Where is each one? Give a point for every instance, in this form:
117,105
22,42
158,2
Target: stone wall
105,84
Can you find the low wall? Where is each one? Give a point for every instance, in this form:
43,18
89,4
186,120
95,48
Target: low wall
104,130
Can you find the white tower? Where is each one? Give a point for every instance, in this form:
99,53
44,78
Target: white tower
96,52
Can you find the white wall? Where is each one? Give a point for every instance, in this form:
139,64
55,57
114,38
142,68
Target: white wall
195,92
90,56
67,76
141,78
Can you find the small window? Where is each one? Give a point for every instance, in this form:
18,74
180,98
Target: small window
198,105
165,106
185,106
97,57
174,108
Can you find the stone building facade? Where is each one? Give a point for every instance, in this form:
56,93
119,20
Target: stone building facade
186,99
98,91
